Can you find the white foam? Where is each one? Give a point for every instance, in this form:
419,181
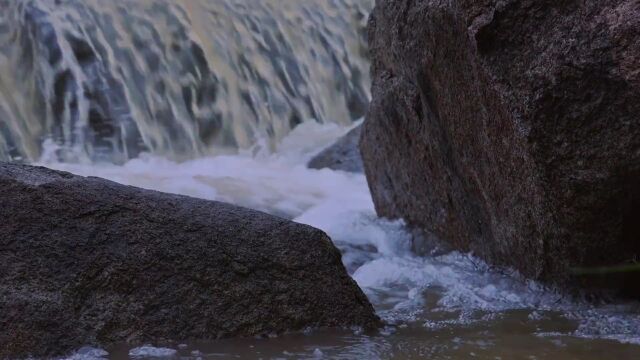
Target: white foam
89,353
149,351
318,354
401,285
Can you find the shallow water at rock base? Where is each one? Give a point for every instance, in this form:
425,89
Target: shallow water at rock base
448,305
509,335
514,341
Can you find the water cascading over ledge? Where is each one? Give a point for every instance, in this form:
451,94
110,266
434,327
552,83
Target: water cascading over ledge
105,81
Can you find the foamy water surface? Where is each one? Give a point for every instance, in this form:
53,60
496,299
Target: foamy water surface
446,305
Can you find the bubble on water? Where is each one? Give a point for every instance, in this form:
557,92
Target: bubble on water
89,353
149,351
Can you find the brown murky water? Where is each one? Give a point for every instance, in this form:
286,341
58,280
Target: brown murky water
511,335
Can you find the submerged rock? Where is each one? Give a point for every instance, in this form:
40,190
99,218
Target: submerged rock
85,261
510,128
343,155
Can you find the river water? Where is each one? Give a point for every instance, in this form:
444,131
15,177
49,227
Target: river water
228,100
446,305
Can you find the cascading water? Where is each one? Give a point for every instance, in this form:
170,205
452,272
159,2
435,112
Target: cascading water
227,100
106,80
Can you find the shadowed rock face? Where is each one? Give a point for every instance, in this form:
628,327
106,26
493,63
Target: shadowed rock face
84,261
510,128
343,155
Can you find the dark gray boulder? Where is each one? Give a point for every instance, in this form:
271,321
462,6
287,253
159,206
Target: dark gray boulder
510,128
85,261
343,155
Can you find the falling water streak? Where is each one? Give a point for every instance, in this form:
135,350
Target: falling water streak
180,78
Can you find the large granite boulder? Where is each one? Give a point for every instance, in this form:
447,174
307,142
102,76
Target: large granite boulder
510,128
343,155
85,261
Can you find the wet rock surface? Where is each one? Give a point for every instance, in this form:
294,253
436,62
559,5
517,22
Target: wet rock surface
510,128
85,261
343,155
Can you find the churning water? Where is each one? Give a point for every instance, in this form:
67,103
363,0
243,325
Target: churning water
228,100
445,305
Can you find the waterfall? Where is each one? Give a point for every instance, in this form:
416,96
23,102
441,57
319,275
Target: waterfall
103,81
